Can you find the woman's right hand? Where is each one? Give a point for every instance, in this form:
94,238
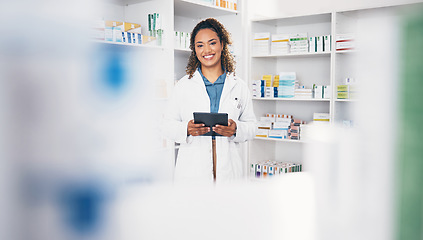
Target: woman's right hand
196,129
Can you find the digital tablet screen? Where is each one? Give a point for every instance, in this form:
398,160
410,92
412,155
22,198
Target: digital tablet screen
210,120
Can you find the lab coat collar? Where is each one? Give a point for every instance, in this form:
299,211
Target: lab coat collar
230,83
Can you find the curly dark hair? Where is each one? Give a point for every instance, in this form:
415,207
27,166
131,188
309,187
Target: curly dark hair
227,60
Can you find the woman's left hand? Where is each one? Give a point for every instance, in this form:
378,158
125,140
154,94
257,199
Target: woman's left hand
226,131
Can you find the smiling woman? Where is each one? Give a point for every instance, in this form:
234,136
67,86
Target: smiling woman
212,35
210,86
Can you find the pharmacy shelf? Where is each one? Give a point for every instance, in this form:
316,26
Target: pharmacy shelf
278,140
198,10
130,44
294,99
288,55
346,51
346,100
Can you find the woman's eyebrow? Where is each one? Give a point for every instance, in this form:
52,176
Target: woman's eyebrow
213,39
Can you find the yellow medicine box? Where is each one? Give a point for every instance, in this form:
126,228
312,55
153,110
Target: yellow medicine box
132,27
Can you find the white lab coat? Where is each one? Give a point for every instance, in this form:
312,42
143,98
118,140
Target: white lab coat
194,161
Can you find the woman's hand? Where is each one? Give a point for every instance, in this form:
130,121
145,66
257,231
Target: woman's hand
226,131
196,129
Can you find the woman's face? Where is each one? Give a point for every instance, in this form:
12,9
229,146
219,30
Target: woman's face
208,48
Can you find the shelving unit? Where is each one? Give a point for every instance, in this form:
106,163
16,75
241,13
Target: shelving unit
331,68
344,65
310,68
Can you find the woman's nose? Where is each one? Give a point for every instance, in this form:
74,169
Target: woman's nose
207,48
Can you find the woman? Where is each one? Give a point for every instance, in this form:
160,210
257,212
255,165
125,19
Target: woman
209,86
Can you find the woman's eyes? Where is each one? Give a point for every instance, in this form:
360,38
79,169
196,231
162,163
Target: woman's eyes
202,45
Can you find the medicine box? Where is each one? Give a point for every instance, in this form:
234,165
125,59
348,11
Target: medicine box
271,171
261,43
327,43
319,44
343,95
252,169
262,133
325,117
264,125
279,134
264,169
312,43
131,27
326,92
287,76
343,88
281,125
258,170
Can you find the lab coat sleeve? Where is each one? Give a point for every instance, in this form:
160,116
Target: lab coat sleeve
246,123
174,127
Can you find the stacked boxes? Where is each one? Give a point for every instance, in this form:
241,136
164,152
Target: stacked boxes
279,126
305,93
298,43
294,129
286,88
261,44
345,42
280,44
347,91
268,89
258,89
265,169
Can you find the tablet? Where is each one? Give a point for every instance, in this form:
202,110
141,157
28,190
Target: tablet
210,120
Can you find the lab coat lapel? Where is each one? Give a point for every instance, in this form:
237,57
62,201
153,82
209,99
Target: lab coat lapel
230,83
197,79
